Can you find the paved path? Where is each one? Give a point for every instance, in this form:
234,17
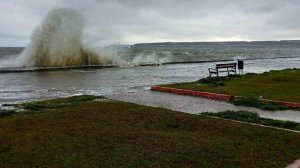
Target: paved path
195,105
295,164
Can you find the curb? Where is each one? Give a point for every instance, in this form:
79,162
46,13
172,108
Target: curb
216,96
249,123
283,103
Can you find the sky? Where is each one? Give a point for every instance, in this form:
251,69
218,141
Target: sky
142,21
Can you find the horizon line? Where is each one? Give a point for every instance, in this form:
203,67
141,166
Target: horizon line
232,41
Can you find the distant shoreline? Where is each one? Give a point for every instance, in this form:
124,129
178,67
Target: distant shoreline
195,43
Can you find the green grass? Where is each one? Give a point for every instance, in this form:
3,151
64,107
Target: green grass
53,103
6,112
255,102
117,134
282,85
255,118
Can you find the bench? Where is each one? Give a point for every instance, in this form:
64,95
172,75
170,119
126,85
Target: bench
230,67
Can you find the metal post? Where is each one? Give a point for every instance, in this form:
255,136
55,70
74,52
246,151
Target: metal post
240,66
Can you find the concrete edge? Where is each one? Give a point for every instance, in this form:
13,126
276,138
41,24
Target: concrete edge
283,103
216,96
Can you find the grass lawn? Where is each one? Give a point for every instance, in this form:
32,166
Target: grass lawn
282,85
81,132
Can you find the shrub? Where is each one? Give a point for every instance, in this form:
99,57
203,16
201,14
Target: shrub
6,112
55,103
217,81
255,102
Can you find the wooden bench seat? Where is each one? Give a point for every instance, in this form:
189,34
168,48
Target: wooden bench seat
229,68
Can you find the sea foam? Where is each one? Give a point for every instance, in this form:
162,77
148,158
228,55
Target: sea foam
57,42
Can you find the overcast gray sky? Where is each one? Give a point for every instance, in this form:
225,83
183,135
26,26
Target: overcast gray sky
136,21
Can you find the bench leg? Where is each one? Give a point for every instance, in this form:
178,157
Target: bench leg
235,70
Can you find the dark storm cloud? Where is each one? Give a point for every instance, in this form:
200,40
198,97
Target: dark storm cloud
133,21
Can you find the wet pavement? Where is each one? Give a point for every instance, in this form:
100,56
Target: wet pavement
195,105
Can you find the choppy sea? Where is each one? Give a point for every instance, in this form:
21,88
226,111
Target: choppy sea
258,57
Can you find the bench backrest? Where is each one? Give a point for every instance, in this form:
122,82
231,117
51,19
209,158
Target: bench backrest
231,65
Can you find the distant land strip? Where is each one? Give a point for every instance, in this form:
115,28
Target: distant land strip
19,70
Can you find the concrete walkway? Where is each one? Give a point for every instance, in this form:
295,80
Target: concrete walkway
195,105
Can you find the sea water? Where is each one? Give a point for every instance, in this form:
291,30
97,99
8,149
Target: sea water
258,57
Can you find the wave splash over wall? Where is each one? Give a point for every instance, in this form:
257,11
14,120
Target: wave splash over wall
57,43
